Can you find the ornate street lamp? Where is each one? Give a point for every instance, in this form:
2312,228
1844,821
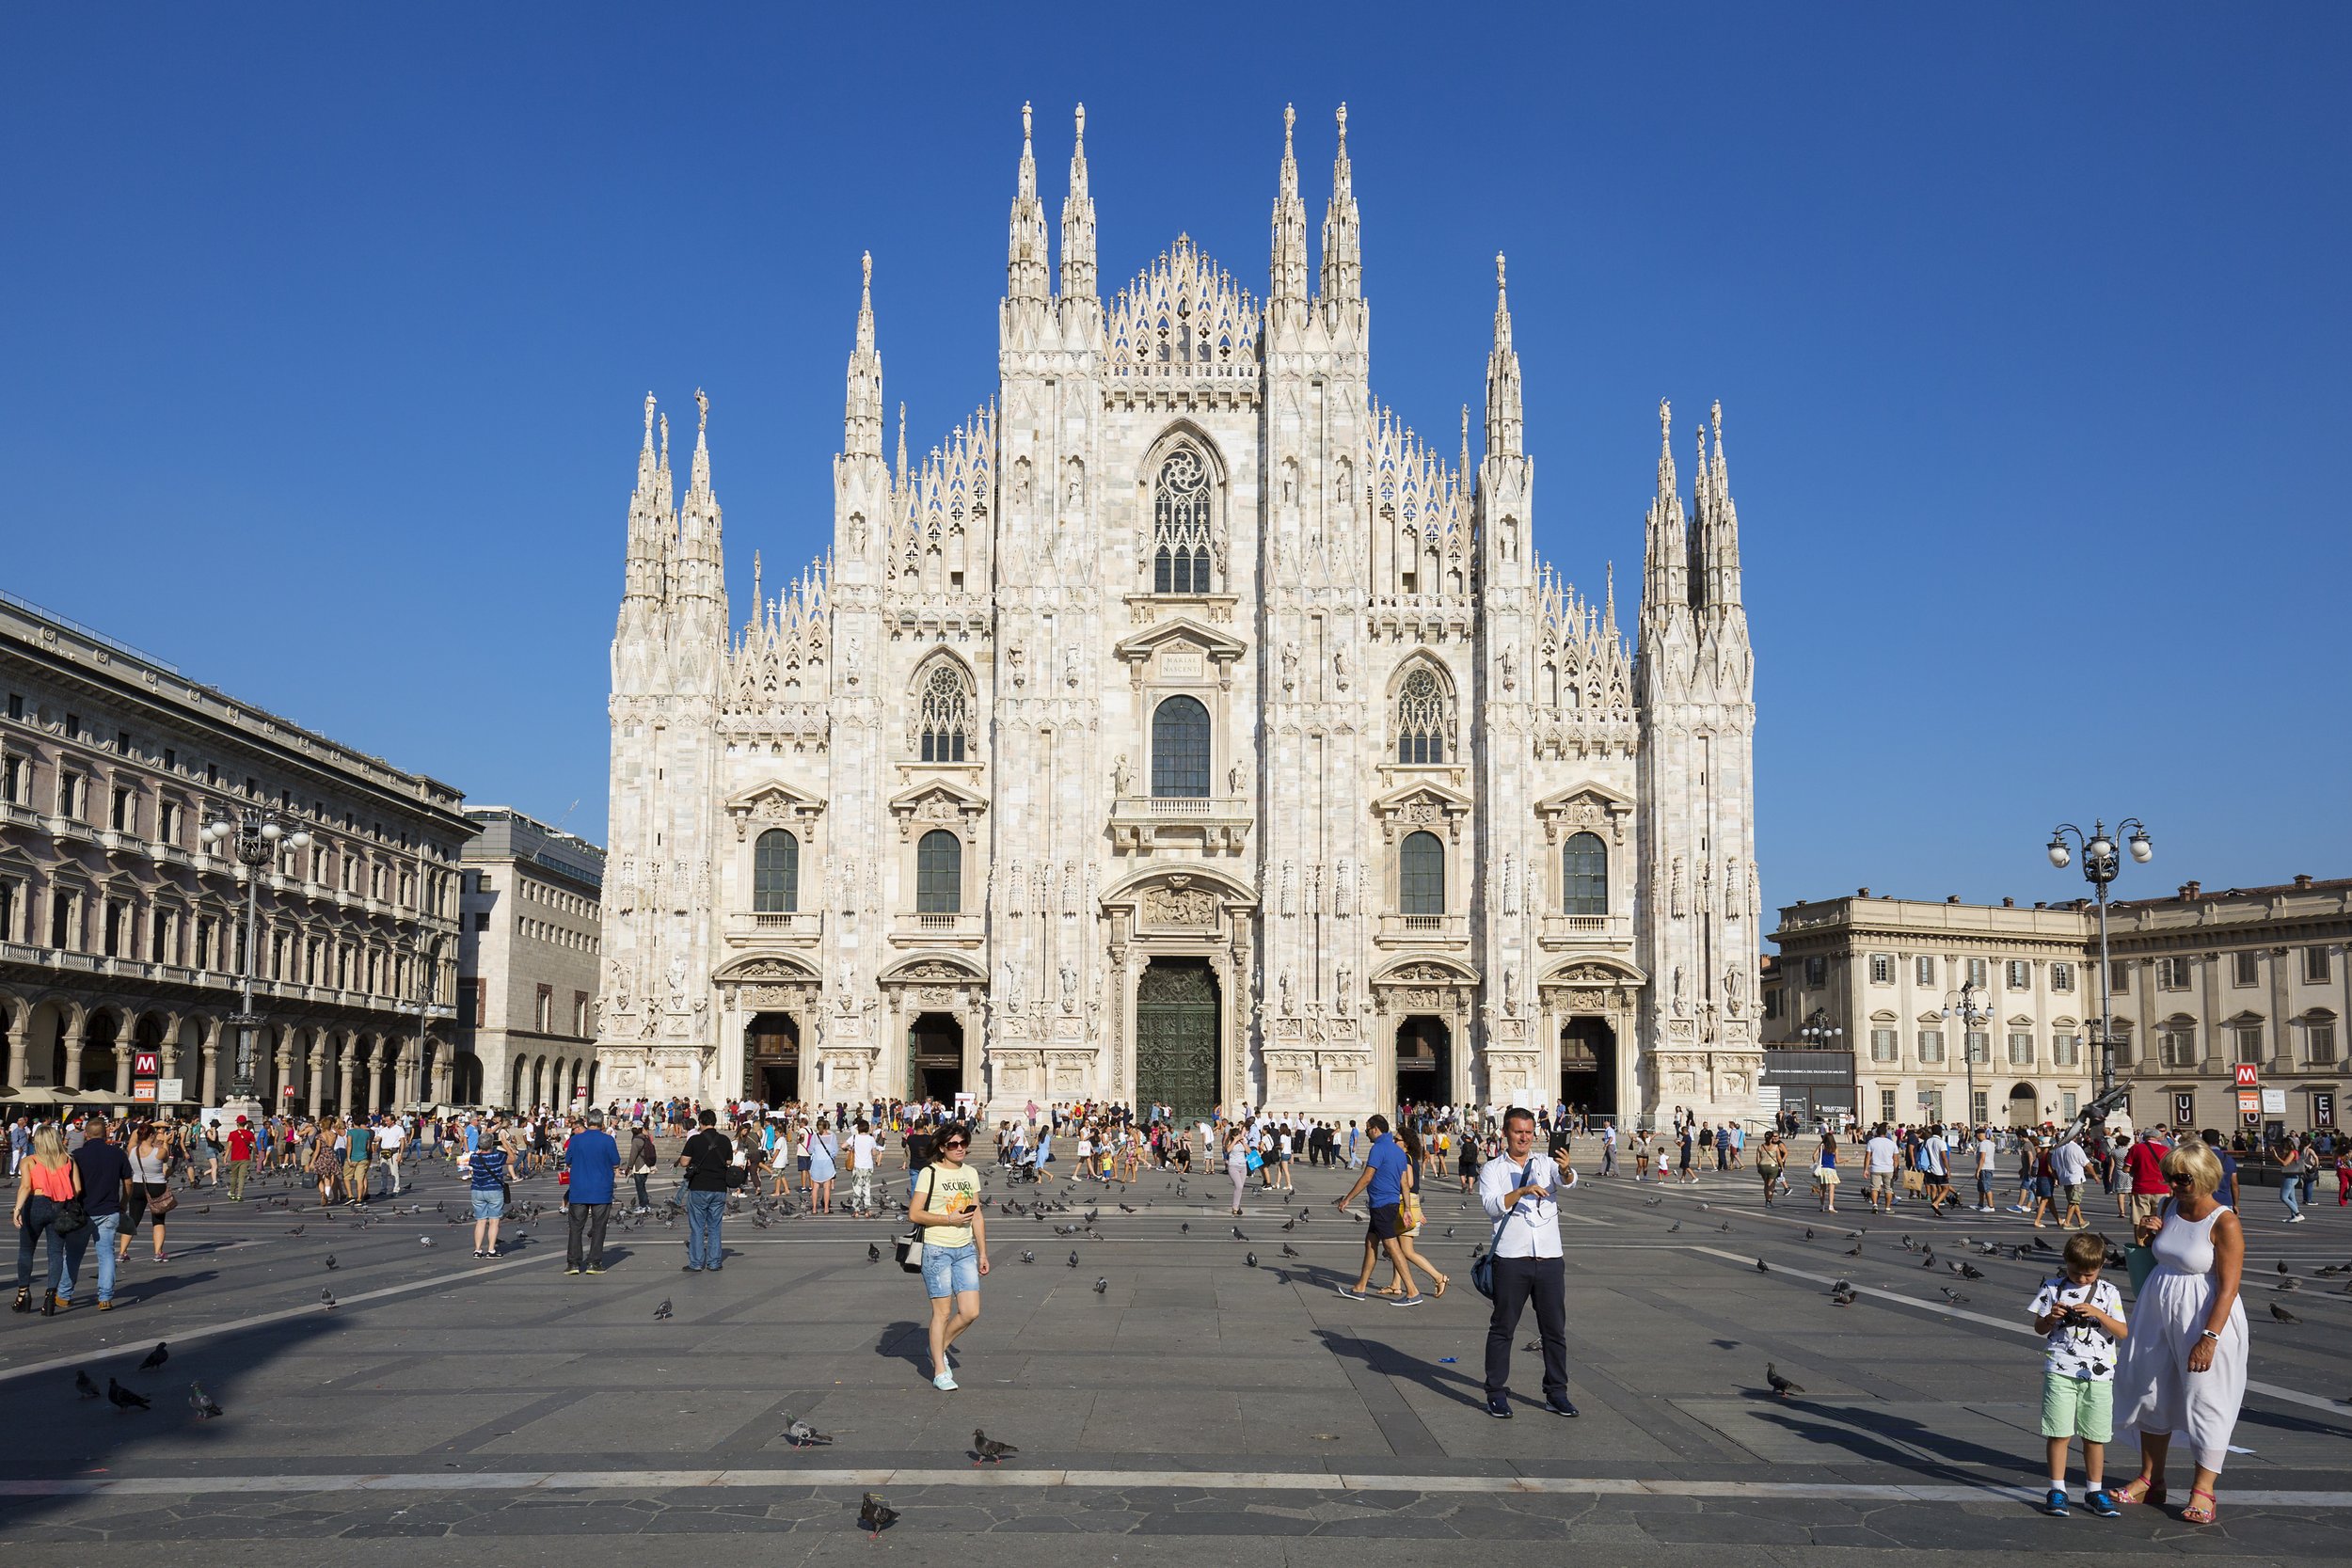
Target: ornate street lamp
257,833
1962,1005
2100,864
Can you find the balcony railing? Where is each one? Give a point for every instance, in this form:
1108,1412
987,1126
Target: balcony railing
775,925
961,930
1584,929
1396,929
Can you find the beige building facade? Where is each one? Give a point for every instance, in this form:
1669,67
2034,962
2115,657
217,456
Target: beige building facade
123,933
2202,981
531,916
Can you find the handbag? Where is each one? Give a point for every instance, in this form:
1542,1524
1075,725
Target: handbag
909,1247
68,1218
1482,1266
163,1203
1253,1160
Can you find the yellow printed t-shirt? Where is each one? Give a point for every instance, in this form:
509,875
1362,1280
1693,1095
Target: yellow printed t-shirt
944,1188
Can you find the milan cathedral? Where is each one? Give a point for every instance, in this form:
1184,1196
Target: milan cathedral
1183,730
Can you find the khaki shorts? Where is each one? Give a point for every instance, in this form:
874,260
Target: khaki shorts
2078,1407
1881,1182
2146,1206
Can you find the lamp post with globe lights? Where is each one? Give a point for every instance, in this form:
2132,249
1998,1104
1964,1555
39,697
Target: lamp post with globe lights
1822,1034
2100,862
1962,1008
254,836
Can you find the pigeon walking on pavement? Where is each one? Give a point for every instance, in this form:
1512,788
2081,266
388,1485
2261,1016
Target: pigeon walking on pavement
1781,1385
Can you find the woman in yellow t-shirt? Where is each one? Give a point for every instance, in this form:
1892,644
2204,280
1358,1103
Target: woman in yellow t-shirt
946,1205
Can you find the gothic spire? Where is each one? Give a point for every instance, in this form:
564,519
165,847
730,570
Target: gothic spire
1026,250
902,446
1077,222
1343,232
648,520
861,418
1719,526
1290,222
1665,549
1505,422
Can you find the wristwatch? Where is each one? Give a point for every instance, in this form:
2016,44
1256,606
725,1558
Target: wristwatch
2209,1334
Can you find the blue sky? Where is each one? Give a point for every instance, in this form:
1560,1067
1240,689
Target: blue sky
327,329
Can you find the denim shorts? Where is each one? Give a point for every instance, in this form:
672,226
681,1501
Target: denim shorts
489,1203
951,1271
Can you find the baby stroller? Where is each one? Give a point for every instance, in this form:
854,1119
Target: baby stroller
1022,1167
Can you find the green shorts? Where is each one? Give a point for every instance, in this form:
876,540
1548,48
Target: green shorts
2078,1407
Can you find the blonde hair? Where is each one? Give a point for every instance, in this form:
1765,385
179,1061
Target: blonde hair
48,1144
2199,1163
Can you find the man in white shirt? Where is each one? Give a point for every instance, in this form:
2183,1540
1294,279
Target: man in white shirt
1881,1152
1936,1163
2069,1165
862,1150
389,1139
1519,1190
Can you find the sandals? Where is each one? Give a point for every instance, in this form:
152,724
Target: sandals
2138,1490
23,1299
1443,1280
2193,1514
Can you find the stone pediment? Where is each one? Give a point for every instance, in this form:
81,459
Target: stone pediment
767,969
1423,803
774,803
935,969
1595,969
1194,878
1590,806
1422,969
1180,634
939,801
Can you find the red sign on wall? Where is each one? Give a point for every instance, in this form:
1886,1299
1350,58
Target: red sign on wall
2249,1076
146,1064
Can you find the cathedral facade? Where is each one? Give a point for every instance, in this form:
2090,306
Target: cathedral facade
1183,729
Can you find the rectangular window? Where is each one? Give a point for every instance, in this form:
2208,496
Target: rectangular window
1976,1107
546,1013
1931,1046
1923,970
2061,976
2067,1105
122,742
2177,1048
2246,969
204,941
1887,1105
2019,974
2319,1044
112,931
167,822
1882,1045
2185,1110
1979,1047
2120,976
69,795
7,912
579,1014
2316,965
1979,969
1816,971
2250,1042
16,705
64,922
2066,1050
2020,1048
124,818
1882,969
2172,974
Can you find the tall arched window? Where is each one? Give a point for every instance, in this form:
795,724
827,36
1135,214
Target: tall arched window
1180,525
776,873
1584,875
939,874
1420,719
943,717
1421,875
1180,749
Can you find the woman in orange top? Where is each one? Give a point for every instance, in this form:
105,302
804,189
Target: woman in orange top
47,1179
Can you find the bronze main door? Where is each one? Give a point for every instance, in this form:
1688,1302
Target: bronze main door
1176,1037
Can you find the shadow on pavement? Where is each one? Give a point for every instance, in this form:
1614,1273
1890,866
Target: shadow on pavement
1389,1361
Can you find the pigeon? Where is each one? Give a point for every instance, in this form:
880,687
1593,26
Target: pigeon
331,1264
1126,1208
802,1436
1102,1283
1290,1251
1843,1298
1028,1258
2282,1265
2290,1283
125,1399
327,1299
205,1406
1726,1225
1808,1233
2282,1315
84,1386
297,1230
156,1357
1854,1251
1184,1229
662,1312
1250,1258
1781,1385
1953,1296
989,1449
875,1516
1969,1271
1288,1224
1237,1235
1761,1267
1671,1229
1653,1202
1074,1259
426,1240
873,1252
1449,1231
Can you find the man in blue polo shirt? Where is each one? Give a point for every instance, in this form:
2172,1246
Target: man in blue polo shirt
591,1158
1385,1173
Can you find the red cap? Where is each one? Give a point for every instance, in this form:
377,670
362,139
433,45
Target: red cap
241,1122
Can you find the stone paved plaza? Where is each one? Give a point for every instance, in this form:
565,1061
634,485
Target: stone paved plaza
445,1398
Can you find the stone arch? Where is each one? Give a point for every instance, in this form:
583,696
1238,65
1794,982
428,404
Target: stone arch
1423,712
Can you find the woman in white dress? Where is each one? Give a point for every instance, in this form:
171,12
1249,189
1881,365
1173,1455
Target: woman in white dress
2183,1368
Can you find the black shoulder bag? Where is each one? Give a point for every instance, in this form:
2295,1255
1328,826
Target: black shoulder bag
1483,1268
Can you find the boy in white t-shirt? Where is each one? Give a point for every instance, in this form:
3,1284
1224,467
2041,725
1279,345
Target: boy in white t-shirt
2082,1317
862,1148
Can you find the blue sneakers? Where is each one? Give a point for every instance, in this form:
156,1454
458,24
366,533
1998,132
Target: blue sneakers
2055,1503
2099,1502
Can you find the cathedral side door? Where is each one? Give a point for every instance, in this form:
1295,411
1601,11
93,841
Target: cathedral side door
1176,1037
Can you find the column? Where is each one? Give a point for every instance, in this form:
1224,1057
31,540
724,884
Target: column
314,1072
342,1097
169,1052
20,1025
208,1039
77,1037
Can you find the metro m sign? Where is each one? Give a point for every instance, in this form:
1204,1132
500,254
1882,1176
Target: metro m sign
146,1064
2249,1076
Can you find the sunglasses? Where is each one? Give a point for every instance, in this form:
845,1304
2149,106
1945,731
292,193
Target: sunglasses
956,1143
